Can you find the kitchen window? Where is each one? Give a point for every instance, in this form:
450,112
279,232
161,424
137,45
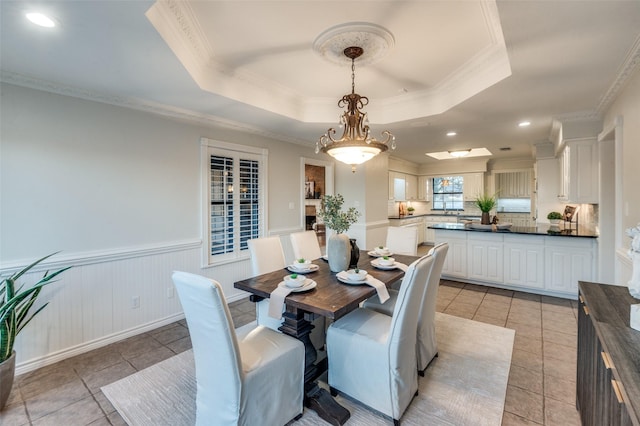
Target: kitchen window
448,193
235,200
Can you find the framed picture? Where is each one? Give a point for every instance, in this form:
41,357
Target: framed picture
309,189
570,213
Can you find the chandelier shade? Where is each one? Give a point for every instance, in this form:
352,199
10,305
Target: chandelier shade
356,144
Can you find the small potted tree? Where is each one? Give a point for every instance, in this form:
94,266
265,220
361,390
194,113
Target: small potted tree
15,304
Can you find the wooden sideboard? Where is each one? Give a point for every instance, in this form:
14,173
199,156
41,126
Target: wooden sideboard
608,379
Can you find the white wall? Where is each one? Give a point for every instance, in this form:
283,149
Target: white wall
118,191
627,108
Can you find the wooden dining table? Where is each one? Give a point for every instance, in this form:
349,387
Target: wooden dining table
331,299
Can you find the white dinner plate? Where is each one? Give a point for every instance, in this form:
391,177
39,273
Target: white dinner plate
374,254
308,285
351,282
324,257
375,264
312,268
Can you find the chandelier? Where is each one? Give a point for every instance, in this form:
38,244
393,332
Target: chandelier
356,144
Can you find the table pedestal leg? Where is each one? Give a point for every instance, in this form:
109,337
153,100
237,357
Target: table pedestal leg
316,398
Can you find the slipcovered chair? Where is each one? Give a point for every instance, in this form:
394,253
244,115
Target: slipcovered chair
426,345
305,245
372,356
267,256
403,240
253,377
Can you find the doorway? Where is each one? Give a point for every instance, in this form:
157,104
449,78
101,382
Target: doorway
317,181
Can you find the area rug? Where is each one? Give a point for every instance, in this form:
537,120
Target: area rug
465,385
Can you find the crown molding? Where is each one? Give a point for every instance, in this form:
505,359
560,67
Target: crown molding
627,69
155,108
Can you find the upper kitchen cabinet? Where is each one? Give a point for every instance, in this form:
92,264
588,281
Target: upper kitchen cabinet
411,187
578,162
402,187
473,185
424,187
514,184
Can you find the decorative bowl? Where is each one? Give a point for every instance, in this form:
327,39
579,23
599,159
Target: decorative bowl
382,250
294,280
302,263
356,274
386,261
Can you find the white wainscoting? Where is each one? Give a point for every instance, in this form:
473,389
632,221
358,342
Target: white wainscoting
91,305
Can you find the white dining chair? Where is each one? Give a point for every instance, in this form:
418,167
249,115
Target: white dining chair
305,245
372,356
250,376
426,343
402,240
266,256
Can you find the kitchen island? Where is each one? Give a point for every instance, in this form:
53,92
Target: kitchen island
531,259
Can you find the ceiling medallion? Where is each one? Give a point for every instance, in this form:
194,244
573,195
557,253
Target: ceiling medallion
375,41
356,145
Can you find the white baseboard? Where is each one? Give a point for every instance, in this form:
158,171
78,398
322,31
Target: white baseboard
52,358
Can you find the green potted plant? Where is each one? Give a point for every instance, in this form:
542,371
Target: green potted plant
554,219
338,244
410,210
486,203
15,304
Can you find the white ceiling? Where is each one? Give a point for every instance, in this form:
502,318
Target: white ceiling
475,67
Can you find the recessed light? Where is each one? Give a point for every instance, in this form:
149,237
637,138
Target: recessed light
41,19
524,123
451,133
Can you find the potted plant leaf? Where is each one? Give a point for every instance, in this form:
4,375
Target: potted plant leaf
486,203
15,304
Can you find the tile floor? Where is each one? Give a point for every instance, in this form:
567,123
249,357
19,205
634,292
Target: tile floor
541,389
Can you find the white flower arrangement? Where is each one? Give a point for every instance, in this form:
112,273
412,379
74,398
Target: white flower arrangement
634,234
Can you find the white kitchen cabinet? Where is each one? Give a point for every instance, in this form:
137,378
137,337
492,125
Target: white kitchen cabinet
411,187
514,184
430,234
424,187
397,186
392,195
485,257
524,263
402,187
417,223
568,262
455,263
579,175
537,263
473,186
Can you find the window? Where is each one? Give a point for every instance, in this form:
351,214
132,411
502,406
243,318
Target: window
235,202
448,193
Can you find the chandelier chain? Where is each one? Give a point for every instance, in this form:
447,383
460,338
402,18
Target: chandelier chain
353,75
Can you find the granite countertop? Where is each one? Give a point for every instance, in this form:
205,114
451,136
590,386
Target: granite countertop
454,216
523,230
